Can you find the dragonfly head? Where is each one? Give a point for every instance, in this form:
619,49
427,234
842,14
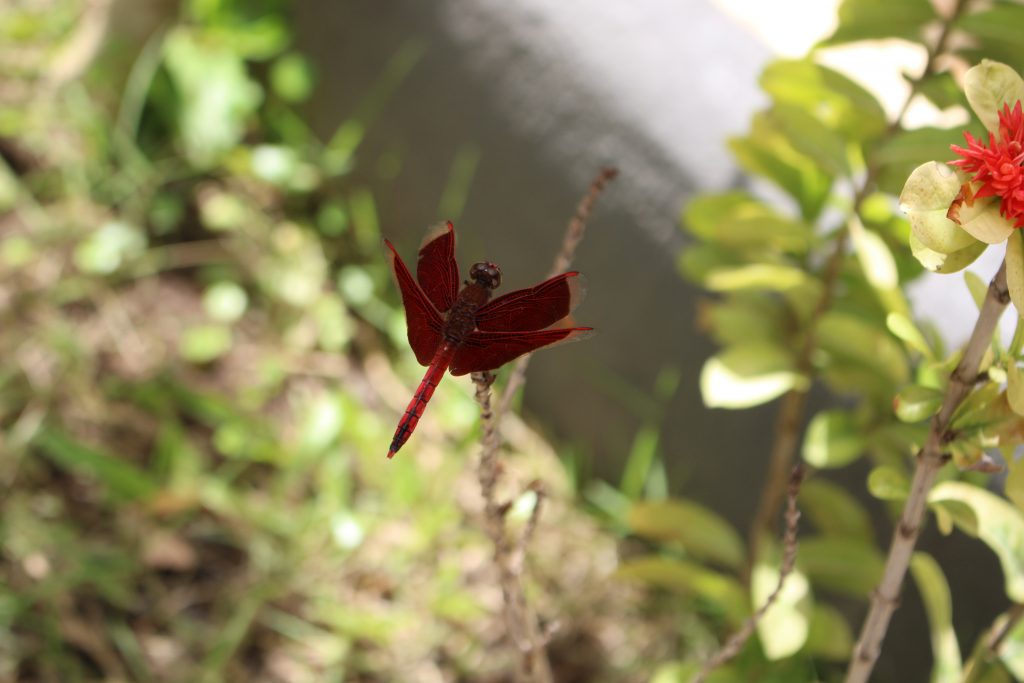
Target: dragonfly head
485,274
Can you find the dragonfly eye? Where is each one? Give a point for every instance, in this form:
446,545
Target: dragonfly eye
485,274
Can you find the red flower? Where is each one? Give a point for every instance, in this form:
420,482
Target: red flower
999,167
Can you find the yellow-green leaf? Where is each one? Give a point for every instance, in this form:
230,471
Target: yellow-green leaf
939,262
1015,483
905,329
689,579
748,375
1014,388
915,403
830,637
876,260
926,197
888,483
992,519
841,564
1015,270
938,605
833,511
833,439
988,87
784,626
983,221
772,276
702,533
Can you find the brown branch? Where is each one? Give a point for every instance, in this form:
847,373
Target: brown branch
573,235
931,458
520,621
789,421
1001,631
986,652
509,556
736,641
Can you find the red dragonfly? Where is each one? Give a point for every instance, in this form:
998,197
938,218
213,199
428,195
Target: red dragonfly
458,330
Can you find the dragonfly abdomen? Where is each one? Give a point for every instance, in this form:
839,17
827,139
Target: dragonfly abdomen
442,359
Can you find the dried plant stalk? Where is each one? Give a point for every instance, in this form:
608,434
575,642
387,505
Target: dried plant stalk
736,641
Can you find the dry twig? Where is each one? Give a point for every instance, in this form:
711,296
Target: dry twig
520,622
573,236
736,641
509,555
931,458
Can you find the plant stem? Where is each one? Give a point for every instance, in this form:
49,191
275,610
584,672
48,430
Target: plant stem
520,622
929,461
735,643
789,422
571,240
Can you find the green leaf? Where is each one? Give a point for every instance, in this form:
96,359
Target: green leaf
977,287
769,153
915,403
990,84
748,375
841,565
1015,270
783,628
848,337
225,301
110,247
941,89
939,262
702,533
830,637
898,155
721,591
1015,483
217,97
123,479
938,604
769,276
291,77
1011,654
836,100
812,138
905,329
1014,387
738,220
833,439
638,464
995,521
833,511
205,343
881,19
876,260
699,261
745,317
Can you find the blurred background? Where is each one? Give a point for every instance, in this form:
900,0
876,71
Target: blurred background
205,358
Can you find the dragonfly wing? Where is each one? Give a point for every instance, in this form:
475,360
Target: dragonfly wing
482,350
436,270
421,317
534,308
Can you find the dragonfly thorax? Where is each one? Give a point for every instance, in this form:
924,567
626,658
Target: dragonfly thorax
485,274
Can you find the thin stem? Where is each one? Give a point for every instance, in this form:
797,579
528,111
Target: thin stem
520,621
789,421
931,458
735,642
573,235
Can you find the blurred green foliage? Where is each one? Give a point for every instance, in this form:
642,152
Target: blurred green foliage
808,280
196,395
